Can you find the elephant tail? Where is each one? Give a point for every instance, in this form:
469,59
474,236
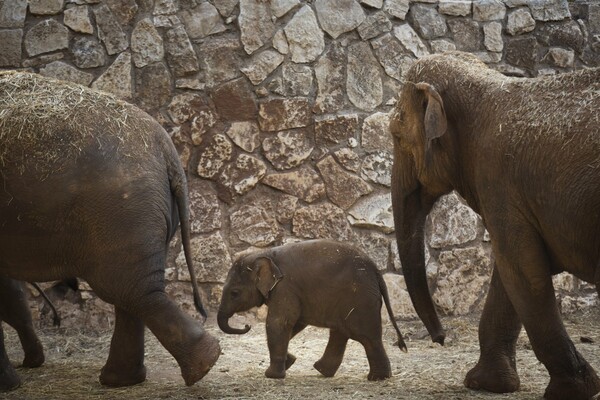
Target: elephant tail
179,190
47,299
388,306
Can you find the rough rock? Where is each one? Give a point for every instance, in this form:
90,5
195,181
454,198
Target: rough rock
260,65
343,188
451,223
235,101
375,132
205,211
427,21
363,84
410,40
303,183
297,80
334,129
202,21
391,56
522,52
331,82
184,107
165,7
488,10
146,44
562,34
123,10
377,167
256,26
117,78
520,21
493,36
12,13
324,221
280,42
245,134
467,36
45,7
305,38
214,156
63,71
180,54
88,53
110,31
244,174
210,257
45,37
442,45
226,7
396,8
204,120
373,3
374,25
282,7
549,10
339,16
373,212
459,8
282,114
399,298
288,149
560,57
254,225
78,19
376,246
220,60
10,47
348,159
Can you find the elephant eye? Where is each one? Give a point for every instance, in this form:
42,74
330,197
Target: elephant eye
235,293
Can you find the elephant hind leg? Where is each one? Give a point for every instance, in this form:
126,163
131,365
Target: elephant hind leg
379,363
125,364
9,380
334,354
499,328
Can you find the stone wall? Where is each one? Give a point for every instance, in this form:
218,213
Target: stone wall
279,111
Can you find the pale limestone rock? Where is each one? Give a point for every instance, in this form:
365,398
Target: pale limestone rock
392,56
10,47
12,13
210,257
280,42
451,223
214,156
244,174
297,80
348,159
549,10
202,21
256,26
282,7
117,78
303,183
373,212
410,40
204,119
396,8
442,46
466,33
78,19
339,16
220,61
45,37
66,72
226,7
377,167
561,57
374,25
459,8
305,38
88,52
329,71
334,129
245,134
375,245
324,221
373,3
288,149
427,21
165,7
376,133
123,10
205,211
110,31
343,188
363,84
184,107
493,36
399,299
260,65
488,10
46,7
180,54
146,44
255,226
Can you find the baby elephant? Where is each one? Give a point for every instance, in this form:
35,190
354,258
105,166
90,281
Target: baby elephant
318,282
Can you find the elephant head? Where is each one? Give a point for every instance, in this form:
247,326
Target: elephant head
249,284
423,126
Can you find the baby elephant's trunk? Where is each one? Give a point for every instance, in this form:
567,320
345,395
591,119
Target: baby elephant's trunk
223,321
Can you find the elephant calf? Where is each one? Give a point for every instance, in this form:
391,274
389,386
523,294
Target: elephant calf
318,282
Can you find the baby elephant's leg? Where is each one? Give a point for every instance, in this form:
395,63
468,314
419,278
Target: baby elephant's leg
334,353
291,359
379,363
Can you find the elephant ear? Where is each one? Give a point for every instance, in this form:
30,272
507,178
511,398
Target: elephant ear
267,275
435,122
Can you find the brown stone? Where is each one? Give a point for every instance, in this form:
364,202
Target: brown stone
343,188
235,101
334,129
282,114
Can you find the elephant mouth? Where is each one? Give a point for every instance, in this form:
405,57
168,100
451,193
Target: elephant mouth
223,321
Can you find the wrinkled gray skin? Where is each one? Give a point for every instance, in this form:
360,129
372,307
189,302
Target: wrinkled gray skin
106,214
524,155
318,282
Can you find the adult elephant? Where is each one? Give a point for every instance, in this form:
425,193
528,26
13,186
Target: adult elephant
92,187
525,155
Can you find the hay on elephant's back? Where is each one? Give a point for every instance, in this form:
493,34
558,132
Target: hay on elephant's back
49,119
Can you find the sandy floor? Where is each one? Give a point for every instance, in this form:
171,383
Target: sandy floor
427,371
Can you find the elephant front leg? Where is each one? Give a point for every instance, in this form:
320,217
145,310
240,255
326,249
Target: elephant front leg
280,329
125,364
9,379
524,267
499,328
334,354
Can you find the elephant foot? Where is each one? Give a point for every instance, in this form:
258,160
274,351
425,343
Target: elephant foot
379,375
201,357
289,361
485,376
35,357
584,386
9,380
275,372
326,369
112,378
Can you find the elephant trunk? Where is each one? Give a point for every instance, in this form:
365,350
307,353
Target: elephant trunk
411,207
223,321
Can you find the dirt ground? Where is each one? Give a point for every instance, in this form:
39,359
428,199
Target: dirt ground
427,371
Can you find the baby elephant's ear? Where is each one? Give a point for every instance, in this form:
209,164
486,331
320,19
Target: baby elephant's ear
267,275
